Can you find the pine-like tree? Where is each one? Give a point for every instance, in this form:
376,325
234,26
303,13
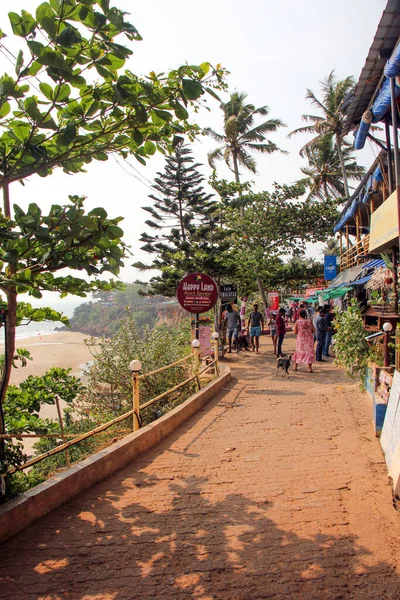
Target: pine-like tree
185,223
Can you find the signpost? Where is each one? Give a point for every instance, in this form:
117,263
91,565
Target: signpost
329,267
197,293
228,293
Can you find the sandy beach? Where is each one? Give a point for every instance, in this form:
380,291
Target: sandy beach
65,349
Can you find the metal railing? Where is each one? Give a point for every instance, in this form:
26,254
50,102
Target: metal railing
134,412
354,255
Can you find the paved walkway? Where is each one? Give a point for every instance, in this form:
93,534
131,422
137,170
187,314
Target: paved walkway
277,489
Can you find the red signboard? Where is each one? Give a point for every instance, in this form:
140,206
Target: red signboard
197,293
273,300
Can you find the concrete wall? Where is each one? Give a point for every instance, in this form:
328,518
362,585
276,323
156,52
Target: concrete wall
21,512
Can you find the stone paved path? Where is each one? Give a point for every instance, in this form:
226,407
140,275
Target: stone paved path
277,489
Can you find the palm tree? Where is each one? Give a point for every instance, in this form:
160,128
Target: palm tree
241,136
331,247
331,121
324,173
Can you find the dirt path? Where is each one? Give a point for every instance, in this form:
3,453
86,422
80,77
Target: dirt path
277,489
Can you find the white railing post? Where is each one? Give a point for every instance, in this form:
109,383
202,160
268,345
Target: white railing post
215,337
196,346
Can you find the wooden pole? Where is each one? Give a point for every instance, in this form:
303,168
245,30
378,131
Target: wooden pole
57,399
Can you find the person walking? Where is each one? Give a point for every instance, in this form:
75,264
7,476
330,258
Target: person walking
256,327
232,320
320,330
329,318
304,331
280,330
272,327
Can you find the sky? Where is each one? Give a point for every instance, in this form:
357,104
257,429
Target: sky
273,50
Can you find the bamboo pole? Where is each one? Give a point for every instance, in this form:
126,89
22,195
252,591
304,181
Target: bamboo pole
136,401
57,399
176,387
62,447
161,369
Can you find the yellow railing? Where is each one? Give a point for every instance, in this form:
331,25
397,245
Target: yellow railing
134,413
355,255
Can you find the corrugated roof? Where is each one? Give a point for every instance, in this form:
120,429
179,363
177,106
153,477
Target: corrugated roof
385,40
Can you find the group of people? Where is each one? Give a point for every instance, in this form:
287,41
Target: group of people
255,327
319,329
309,329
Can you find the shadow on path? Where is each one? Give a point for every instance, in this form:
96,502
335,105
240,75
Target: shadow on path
121,546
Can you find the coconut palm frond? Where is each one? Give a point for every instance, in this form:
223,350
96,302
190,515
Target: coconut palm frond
267,148
215,155
247,161
213,134
241,133
258,132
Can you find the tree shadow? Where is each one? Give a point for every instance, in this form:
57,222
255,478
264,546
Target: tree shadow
147,536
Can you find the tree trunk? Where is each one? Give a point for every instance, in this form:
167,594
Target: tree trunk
339,149
9,345
263,294
237,179
6,199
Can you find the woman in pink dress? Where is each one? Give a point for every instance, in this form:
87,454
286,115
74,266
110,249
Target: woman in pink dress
304,330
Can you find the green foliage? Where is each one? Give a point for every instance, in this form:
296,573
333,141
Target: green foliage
323,175
109,388
241,137
274,225
352,351
36,246
87,105
22,415
329,122
186,223
102,318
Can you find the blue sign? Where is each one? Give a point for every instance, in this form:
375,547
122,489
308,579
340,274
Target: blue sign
329,267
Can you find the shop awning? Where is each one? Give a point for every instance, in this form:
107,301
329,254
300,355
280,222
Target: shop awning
362,280
336,293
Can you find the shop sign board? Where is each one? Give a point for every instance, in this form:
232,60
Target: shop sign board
384,225
197,293
228,293
313,291
273,300
330,268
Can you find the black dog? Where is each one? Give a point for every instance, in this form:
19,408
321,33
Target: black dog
283,364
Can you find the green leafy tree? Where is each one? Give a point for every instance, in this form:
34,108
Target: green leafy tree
324,177
188,219
331,118
241,136
274,225
36,246
70,102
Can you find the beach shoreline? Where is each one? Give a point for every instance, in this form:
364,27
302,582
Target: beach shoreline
64,349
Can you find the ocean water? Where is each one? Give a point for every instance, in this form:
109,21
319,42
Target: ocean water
31,330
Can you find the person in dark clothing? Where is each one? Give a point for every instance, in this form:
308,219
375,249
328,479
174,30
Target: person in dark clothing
329,318
232,320
320,330
256,327
280,329
243,341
